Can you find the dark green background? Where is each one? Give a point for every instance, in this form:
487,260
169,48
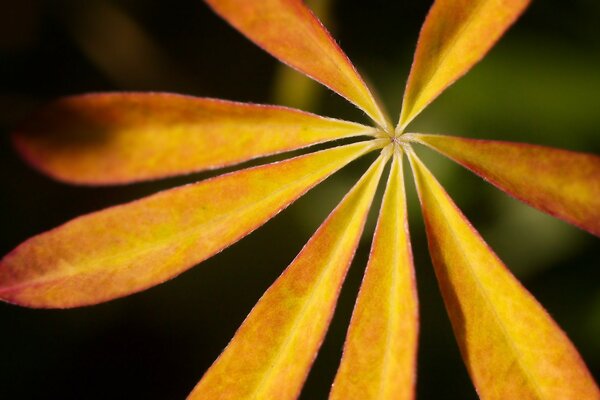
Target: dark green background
540,84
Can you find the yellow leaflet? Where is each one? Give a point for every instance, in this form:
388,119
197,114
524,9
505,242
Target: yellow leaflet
379,360
455,36
511,346
291,33
562,183
128,248
125,137
272,352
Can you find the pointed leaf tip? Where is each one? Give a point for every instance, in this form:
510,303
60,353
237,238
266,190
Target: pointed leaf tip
289,31
511,346
117,138
455,36
128,248
379,359
271,353
562,183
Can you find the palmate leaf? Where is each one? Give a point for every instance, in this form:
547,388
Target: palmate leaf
271,353
562,183
511,346
125,137
455,36
379,360
128,248
289,31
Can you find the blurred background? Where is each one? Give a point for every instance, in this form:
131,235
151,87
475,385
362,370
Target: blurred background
540,84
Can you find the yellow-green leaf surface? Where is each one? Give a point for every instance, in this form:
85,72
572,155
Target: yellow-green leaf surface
271,353
511,346
290,31
128,248
379,360
124,137
562,183
454,37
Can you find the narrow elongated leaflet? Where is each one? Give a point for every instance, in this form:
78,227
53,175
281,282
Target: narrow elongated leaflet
125,137
128,248
511,346
562,183
455,36
379,360
290,32
271,353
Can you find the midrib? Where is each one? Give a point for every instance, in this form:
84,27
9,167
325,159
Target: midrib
481,290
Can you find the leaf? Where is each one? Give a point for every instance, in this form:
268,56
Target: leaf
125,137
272,352
379,360
562,183
128,248
289,31
455,36
511,346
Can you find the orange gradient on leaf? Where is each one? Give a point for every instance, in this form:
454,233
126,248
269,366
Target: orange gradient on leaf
511,346
455,36
270,355
379,359
562,183
125,137
128,248
292,33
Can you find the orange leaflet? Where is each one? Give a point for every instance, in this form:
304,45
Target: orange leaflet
379,360
454,37
125,137
271,353
128,248
289,31
563,183
511,346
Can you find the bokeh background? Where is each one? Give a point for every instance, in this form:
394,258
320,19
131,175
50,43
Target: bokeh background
540,84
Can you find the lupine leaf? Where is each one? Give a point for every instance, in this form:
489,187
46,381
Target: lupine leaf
290,32
271,353
124,137
128,248
455,36
379,360
511,346
562,183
